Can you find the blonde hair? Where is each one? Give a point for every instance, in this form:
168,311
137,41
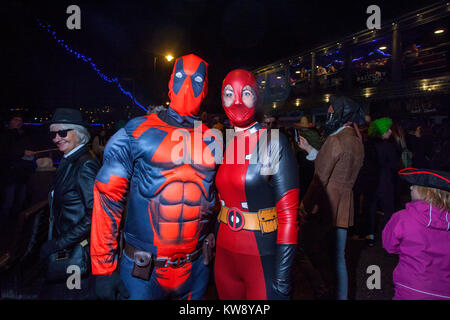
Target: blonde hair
437,197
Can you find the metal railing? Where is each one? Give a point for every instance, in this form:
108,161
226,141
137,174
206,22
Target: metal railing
29,232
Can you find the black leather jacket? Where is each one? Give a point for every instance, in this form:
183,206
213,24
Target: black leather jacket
72,200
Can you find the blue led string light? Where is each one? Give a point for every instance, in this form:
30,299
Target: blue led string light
88,60
384,53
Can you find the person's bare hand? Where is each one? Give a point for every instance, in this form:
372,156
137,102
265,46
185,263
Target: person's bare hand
304,144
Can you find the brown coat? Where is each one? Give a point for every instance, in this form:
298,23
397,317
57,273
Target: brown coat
336,168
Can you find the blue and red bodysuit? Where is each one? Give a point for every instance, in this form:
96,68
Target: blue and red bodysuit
259,193
162,167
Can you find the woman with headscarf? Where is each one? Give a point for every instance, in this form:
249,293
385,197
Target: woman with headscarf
330,193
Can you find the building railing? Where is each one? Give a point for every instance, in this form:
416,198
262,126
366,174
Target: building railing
29,233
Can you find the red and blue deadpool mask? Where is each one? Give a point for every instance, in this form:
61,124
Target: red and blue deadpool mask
239,97
188,85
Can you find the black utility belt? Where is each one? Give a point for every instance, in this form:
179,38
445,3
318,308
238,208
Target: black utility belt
144,258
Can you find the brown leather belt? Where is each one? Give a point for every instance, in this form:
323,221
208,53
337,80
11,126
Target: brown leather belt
265,220
176,261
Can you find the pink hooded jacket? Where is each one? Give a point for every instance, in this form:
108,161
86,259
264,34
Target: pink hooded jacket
420,235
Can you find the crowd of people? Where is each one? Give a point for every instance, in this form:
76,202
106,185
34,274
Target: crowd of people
144,219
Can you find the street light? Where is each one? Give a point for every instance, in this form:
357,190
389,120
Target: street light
168,58
163,60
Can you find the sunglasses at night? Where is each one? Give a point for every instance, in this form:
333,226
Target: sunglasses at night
61,133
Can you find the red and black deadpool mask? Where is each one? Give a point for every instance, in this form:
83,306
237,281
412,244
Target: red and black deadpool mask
188,85
239,97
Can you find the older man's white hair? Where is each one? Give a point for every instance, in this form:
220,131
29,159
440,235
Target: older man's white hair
82,132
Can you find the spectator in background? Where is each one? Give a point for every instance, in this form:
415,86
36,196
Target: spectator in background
218,124
388,162
99,144
418,146
331,69
398,134
441,148
330,193
401,188
204,118
419,234
366,183
270,122
305,129
16,168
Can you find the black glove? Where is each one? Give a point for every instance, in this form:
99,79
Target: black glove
47,249
282,279
110,287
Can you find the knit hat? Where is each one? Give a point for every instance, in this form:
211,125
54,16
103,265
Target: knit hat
379,127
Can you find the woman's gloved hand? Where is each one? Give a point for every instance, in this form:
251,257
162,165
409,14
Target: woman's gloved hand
282,279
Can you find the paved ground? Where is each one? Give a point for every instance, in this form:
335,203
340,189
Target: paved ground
359,258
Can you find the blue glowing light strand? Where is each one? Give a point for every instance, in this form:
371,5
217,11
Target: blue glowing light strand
383,53
88,60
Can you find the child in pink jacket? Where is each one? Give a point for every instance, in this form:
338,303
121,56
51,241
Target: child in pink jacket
420,235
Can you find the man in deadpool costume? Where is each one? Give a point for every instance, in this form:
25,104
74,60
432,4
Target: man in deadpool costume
257,224
154,162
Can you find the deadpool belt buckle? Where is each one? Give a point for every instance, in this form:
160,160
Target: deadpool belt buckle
235,219
178,260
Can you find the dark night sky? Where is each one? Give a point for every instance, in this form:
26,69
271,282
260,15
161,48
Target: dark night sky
122,37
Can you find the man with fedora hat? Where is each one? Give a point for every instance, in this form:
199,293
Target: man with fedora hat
71,202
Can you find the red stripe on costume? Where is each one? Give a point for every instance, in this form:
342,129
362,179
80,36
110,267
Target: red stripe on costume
417,172
105,225
151,121
287,211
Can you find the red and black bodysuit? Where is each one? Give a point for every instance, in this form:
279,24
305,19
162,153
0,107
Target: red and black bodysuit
258,189
164,164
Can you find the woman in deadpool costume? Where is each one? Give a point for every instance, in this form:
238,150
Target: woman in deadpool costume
258,189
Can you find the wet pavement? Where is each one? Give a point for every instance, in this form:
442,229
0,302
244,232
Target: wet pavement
359,258
360,261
